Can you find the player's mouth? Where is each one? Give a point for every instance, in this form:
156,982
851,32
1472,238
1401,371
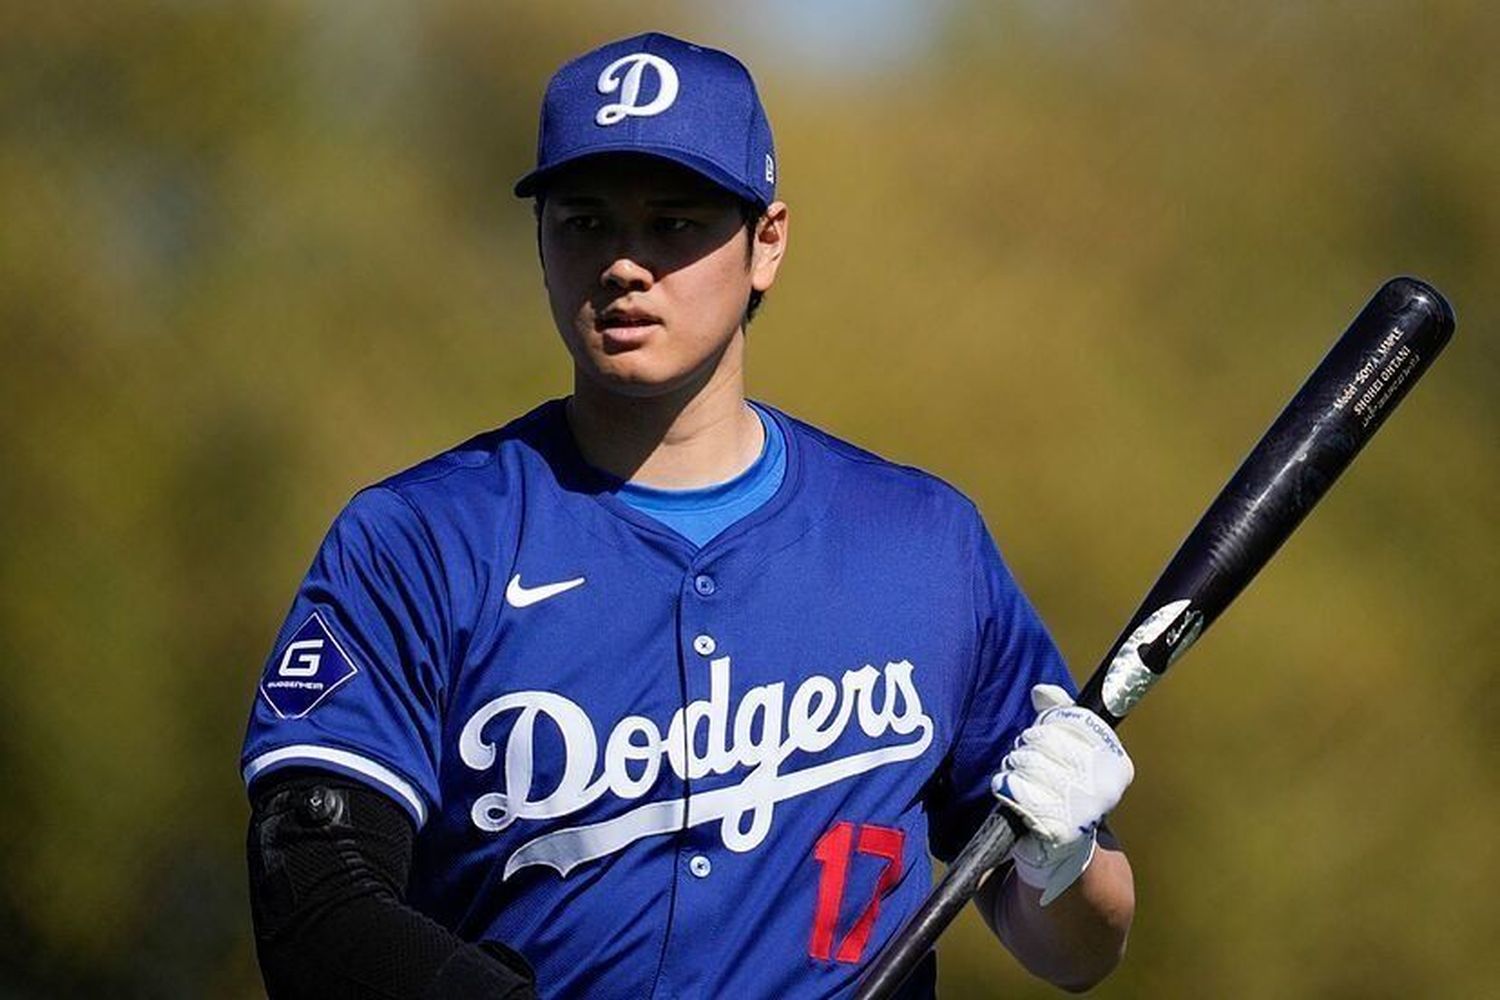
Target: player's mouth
626,327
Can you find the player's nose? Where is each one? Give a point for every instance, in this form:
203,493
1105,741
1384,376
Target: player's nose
626,274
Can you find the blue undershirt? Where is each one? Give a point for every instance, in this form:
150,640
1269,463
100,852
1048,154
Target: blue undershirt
698,515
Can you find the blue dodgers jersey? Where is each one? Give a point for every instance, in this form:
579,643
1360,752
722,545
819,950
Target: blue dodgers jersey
653,769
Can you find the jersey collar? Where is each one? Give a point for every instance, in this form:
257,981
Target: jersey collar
784,517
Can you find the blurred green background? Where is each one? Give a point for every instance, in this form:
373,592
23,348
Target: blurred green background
1071,256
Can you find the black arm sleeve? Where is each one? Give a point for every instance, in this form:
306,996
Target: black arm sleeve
329,859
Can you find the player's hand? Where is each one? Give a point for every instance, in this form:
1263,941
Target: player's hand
1063,775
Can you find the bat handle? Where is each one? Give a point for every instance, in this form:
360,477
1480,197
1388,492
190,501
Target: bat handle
963,879
981,856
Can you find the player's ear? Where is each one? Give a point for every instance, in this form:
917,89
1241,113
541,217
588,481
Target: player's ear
768,246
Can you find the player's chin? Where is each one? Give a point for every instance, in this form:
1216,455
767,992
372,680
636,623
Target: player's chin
636,375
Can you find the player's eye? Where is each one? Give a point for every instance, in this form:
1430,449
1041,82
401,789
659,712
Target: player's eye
581,223
674,224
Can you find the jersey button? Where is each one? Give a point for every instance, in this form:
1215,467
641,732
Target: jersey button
704,645
704,584
700,866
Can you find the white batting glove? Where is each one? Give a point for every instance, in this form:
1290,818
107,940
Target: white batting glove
1063,774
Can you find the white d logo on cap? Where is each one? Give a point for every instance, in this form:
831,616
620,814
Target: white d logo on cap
628,84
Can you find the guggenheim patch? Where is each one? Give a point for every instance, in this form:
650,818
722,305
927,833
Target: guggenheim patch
306,670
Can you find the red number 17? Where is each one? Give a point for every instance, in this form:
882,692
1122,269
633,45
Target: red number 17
833,851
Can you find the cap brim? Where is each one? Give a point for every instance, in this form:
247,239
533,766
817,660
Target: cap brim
532,184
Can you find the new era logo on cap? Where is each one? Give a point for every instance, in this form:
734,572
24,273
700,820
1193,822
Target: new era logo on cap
661,96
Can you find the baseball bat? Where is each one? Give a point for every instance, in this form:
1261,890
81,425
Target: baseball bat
1349,395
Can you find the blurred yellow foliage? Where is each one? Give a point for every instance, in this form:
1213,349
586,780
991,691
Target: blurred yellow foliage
1073,257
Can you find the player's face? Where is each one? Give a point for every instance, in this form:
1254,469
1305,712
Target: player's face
648,270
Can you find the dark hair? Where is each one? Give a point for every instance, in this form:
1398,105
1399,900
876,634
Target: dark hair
750,213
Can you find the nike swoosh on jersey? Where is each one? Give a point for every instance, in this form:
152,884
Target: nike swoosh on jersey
519,597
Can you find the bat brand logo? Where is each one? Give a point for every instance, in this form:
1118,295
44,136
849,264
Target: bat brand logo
707,737
1182,632
1129,678
624,75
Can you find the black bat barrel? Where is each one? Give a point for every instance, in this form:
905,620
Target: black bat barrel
1345,400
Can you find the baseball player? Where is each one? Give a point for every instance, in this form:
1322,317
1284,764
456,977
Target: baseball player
657,691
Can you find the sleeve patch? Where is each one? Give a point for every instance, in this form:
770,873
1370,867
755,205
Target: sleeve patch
306,670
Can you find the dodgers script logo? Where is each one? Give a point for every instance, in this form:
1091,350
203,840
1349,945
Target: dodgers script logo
629,85
763,733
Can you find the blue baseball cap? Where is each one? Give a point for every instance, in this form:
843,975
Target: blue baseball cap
661,96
